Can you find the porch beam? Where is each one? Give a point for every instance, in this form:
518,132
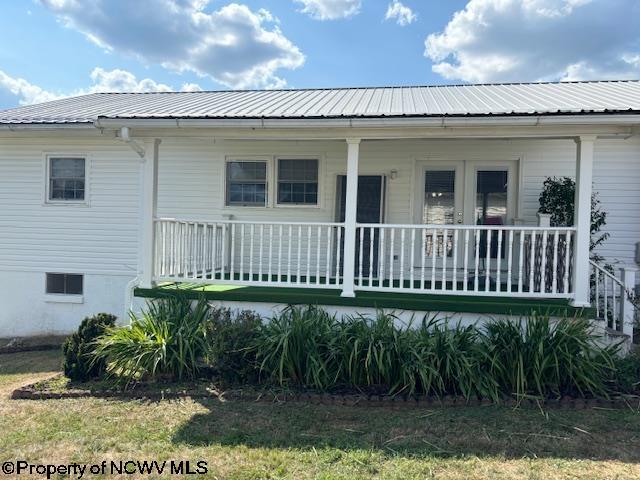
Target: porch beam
582,219
351,200
148,211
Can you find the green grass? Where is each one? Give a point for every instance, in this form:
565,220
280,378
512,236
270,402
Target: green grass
244,440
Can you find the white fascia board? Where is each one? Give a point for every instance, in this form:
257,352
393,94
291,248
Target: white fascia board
623,119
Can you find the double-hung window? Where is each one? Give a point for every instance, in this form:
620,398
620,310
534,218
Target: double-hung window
66,179
297,181
246,183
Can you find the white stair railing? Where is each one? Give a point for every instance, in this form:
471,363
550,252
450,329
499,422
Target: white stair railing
611,296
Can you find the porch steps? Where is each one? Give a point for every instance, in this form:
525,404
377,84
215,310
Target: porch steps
496,305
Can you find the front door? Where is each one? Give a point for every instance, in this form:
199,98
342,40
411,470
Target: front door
370,209
458,193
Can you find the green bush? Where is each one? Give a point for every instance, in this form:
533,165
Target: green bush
297,346
78,363
166,340
230,339
309,348
536,356
627,374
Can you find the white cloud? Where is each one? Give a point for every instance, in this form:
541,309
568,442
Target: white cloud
524,40
330,9
232,45
26,93
402,14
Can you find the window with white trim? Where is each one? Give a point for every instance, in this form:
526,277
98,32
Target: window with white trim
66,179
247,183
64,283
298,181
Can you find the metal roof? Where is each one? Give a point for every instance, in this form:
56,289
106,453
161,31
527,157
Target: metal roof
419,101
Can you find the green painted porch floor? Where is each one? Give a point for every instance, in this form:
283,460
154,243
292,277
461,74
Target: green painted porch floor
401,301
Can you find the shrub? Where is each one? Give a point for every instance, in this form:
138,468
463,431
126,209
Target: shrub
167,339
297,346
558,199
536,356
79,364
627,374
230,340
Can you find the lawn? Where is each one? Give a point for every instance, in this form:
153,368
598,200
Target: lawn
244,440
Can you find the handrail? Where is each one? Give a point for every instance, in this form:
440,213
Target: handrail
246,222
468,227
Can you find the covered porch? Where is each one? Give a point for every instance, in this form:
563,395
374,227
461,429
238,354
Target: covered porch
465,237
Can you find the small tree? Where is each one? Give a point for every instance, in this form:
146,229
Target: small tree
558,200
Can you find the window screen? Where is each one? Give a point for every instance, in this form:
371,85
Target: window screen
247,183
64,283
66,178
298,181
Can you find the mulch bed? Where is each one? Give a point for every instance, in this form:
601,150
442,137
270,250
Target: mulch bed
40,391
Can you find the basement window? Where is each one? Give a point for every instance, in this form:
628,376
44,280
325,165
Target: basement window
64,283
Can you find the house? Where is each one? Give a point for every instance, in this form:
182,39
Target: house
411,198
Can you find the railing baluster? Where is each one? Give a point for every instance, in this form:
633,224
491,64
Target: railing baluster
465,273
232,258
532,260
434,248
392,235
223,250
214,251
298,266
381,256
487,264
338,255
476,279
318,252
242,231
567,262
402,248
423,255
270,259
280,239
445,236
454,249
554,282
521,261
261,249
327,268
499,261
412,257
308,255
510,261
289,246
371,245
360,232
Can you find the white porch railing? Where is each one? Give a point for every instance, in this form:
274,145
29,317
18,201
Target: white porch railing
610,296
461,259
465,259
248,253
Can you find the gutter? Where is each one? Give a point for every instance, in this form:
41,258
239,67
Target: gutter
382,122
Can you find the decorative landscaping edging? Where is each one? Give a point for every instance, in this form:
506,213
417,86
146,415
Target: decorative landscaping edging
33,392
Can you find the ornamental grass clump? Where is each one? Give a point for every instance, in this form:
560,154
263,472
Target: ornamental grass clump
166,340
544,358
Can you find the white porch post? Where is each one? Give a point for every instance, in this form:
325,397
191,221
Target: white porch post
149,211
351,200
582,219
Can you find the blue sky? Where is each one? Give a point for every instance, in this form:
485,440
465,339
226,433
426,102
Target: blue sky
59,48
